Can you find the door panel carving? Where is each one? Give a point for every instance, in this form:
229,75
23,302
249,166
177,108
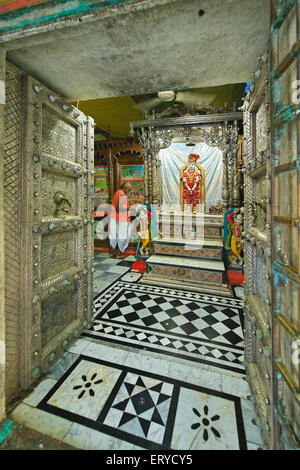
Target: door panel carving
57,253
261,126
258,318
59,137
259,208
262,288
57,312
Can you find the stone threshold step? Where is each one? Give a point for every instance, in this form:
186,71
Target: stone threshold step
211,265
189,243
154,280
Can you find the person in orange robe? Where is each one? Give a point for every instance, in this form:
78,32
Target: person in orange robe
119,222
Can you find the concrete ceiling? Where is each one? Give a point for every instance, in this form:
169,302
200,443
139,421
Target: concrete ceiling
142,51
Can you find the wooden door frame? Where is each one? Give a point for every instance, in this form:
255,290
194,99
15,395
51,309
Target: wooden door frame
285,224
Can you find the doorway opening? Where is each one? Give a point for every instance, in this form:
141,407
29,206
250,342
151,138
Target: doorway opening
133,351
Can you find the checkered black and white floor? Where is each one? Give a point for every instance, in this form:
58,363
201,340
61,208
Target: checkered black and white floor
159,369
193,326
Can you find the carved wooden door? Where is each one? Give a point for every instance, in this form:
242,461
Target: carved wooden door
272,241
57,226
285,65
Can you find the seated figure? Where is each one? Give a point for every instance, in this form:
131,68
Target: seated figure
192,184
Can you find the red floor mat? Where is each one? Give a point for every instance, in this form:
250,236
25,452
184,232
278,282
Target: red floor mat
139,266
235,277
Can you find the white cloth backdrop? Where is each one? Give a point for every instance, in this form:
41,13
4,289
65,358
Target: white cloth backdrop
174,157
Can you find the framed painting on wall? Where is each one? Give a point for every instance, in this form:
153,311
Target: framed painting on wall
101,185
133,174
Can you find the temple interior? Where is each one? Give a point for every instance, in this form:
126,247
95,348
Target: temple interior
175,327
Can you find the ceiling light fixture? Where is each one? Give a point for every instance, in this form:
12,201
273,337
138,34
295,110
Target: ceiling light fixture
189,142
169,95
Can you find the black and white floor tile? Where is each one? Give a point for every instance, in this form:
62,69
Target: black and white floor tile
193,326
161,368
131,277
239,292
123,403
146,409
108,270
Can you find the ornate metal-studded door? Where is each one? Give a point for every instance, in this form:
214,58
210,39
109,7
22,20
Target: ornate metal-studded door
285,76
258,311
57,226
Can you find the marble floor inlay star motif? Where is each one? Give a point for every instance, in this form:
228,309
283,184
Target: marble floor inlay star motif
146,409
140,405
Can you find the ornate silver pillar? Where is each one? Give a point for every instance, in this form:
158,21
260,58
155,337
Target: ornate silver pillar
150,147
224,147
142,135
230,194
235,174
153,164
